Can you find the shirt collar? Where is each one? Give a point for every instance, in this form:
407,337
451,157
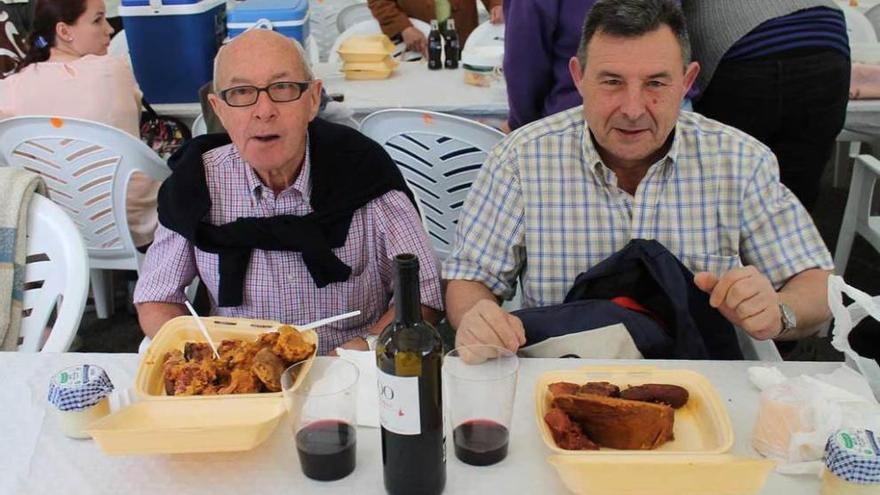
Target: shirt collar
302,183
597,167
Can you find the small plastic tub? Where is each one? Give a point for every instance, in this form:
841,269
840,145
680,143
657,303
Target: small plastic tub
852,463
80,396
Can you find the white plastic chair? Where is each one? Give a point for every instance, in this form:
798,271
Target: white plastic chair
439,156
486,34
858,27
198,126
323,15
56,277
86,166
372,27
351,15
857,218
873,16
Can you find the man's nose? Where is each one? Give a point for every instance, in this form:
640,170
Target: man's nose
265,108
633,105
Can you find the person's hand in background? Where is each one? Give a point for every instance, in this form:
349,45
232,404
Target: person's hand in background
496,15
415,40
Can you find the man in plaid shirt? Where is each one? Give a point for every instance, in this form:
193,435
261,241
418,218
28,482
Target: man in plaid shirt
269,171
564,193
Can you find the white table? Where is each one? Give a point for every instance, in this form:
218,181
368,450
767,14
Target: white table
37,459
412,85
863,116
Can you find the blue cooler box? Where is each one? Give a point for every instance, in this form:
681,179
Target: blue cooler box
172,45
288,17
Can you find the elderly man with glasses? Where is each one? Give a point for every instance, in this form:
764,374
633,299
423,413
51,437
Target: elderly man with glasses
294,220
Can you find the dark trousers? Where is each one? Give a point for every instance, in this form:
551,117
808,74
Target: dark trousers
794,102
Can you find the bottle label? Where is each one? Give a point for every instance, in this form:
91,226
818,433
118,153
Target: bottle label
399,404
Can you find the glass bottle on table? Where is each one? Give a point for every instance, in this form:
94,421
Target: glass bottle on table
452,52
409,354
435,47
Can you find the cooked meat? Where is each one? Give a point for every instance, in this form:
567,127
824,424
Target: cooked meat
563,388
567,434
291,347
671,395
193,377
604,389
241,381
170,369
619,423
197,351
268,368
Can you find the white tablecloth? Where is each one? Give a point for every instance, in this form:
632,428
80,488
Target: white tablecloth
863,116
38,459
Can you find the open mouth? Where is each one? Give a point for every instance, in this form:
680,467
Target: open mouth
630,132
267,138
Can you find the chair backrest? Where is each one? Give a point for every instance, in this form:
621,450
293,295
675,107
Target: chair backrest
56,277
486,34
87,167
439,156
371,26
858,26
873,15
199,126
352,14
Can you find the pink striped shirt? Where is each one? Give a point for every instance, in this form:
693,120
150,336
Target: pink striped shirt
278,285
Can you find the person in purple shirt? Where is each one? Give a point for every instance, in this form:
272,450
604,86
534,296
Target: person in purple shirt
540,38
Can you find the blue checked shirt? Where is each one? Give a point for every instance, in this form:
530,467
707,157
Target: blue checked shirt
544,208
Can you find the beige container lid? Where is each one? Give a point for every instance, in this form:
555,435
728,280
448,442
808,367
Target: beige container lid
383,65
366,48
161,424
695,462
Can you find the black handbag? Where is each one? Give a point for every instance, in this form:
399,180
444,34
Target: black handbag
163,134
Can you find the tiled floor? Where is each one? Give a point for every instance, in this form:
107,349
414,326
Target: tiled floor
122,334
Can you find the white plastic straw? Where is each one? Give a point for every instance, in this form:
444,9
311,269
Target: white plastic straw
202,328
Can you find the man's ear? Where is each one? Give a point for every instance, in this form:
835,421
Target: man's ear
576,71
217,106
314,95
690,76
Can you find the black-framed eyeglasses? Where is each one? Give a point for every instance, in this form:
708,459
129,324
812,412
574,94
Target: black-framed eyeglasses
279,92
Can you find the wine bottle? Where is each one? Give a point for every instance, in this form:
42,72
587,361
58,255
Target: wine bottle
435,47
409,354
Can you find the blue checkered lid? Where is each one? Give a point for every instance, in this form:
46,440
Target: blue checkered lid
79,387
854,455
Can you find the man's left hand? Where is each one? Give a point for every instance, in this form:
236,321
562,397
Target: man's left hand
746,298
496,15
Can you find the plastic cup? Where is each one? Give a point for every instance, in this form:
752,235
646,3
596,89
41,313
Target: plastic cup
322,411
480,387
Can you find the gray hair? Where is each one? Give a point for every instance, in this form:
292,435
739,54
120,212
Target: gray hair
634,18
307,68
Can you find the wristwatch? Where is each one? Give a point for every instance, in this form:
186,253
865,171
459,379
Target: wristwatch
789,320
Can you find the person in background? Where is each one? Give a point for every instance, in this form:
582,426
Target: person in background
540,38
779,71
564,193
393,17
67,73
296,219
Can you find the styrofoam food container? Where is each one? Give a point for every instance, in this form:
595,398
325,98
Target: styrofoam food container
366,48
161,424
695,462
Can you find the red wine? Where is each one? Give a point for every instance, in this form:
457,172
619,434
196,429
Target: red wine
326,449
409,354
480,442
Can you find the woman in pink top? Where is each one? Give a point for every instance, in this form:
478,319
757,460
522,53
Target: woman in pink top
68,73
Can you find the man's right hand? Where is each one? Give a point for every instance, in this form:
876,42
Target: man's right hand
415,40
487,323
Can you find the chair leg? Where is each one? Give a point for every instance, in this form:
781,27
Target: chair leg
855,201
102,292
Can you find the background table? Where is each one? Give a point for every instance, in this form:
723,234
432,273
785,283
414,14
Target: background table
38,459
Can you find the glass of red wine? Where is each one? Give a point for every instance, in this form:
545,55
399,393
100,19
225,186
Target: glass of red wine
320,397
479,384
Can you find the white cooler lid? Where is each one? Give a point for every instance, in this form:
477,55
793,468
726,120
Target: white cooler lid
483,56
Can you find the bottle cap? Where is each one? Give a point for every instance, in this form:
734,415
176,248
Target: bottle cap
79,387
854,455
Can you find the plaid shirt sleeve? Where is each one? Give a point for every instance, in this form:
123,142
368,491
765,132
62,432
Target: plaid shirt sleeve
778,236
489,241
168,269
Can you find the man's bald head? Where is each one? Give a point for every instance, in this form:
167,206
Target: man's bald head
258,46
